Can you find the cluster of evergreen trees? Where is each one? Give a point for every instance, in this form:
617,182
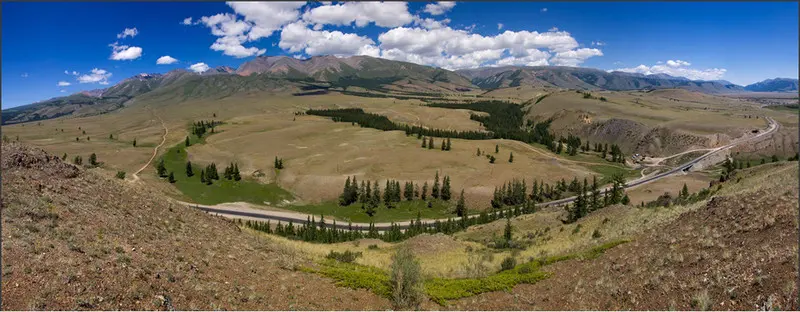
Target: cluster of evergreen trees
380,122
616,152
199,128
428,143
232,172
588,198
321,232
209,174
573,143
278,163
368,193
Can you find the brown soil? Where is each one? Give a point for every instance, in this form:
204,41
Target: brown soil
739,252
75,240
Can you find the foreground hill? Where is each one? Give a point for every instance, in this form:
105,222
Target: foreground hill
737,251
76,240
587,79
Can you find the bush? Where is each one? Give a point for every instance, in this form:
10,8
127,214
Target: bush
120,174
373,246
596,234
346,257
406,280
508,263
577,229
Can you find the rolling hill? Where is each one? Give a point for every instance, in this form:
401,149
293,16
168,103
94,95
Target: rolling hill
773,85
588,79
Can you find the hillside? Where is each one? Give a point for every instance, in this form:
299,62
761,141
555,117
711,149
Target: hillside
586,79
737,251
74,239
773,85
362,71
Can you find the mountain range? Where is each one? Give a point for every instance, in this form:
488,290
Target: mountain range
360,73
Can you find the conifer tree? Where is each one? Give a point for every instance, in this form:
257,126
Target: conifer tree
430,143
171,177
187,143
93,159
134,142
189,171
408,191
508,231
424,142
424,194
162,170
560,148
343,198
435,189
362,193
511,157
492,159
444,145
448,144
446,189
64,157
376,195
479,151
387,195
595,194
78,160
236,175
461,207
368,193
202,176
496,148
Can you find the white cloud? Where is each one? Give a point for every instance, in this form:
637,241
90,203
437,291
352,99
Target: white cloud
297,37
74,73
128,32
124,53
544,10
96,76
574,57
429,23
499,26
165,60
24,75
199,67
678,63
598,43
455,49
63,83
553,29
440,7
677,68
63,91
187,21
383,14
266,17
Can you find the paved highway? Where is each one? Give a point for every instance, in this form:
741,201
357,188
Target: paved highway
299,218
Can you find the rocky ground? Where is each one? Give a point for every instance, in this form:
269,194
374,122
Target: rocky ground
75,240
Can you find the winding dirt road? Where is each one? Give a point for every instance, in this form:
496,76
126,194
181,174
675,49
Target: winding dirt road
155,150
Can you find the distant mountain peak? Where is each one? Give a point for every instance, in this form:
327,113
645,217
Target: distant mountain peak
774,85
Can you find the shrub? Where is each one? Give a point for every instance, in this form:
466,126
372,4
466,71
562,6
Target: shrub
406,280
373,246
120,174
596,234
346,257
508,263
701,301
577,229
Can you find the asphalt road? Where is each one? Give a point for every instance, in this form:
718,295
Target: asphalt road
301,218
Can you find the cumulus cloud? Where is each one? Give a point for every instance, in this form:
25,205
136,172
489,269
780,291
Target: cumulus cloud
165,60
96,76
187,21
199,67
499,26
598,43
128,32
383,14
544,10
429,23
74,73
440,7
297,37
677,68
266,17
63,91
574,57
124,53
63,83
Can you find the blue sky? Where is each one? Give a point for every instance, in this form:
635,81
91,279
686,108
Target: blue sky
737,41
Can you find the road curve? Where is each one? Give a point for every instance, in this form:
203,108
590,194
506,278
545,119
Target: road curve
155,150
299,218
